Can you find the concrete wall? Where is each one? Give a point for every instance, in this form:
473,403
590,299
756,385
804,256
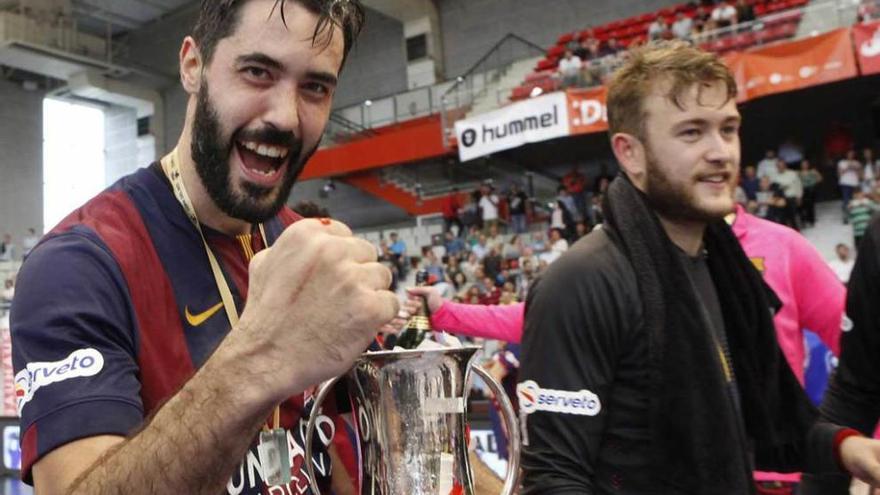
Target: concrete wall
471,27
120,143
21,160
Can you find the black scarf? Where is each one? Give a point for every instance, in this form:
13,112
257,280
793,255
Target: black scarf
697,443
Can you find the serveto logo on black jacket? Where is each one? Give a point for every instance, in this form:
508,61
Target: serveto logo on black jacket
533,398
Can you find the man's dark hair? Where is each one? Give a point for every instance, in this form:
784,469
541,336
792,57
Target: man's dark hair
218,19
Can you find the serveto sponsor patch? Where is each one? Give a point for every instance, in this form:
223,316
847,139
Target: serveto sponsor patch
534,398
80,363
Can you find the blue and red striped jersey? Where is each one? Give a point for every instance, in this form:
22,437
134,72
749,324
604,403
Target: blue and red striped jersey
114,311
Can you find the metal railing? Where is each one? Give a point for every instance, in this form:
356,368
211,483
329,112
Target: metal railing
429,100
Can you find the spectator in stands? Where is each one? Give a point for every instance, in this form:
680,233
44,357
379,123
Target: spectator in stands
432,265
563,216
491,294
583,51
310,209
842,266
450,207
767,166
596,216
581,229
481,248
724,14
7,248
494,238
469,266
576,184
569,69
30,241
750,183
868,11
682,26
517,202
539,245
656,29
8,290
488,207
744,12
558,245
870,169
612,47
398,251
492,263
453,244
701,19
848,171
513,249
861,209
790,184
810,178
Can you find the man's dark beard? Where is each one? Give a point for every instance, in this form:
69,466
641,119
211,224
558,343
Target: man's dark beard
211,152
672,201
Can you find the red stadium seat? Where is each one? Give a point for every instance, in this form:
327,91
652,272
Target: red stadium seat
565,38
760,9
555,51
585,34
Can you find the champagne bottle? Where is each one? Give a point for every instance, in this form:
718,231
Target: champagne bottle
419,324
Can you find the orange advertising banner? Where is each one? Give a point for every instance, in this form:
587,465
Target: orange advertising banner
866,38
799,64
587,112
736,62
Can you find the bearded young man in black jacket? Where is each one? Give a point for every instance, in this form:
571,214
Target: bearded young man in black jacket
650,363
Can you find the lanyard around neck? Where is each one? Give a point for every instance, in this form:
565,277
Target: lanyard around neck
171,167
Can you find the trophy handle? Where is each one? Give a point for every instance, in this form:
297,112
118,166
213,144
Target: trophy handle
510,421
323,391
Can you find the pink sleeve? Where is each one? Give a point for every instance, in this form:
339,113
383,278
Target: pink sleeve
821,298
477,320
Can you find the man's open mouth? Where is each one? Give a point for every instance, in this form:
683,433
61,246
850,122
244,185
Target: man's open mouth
261,158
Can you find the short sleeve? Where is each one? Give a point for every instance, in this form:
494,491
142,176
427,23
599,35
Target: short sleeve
74,346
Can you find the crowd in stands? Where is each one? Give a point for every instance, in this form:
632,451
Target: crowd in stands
785,191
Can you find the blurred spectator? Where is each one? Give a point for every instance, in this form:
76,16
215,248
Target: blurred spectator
843,265
750,182
869,170
8,290
398,252
481,248
494,238
7,248
657,28
491,294
30,241
790,184
469,266
450,207
848,171
581,229
563,215
517,201
861,208
583,50
488,207
724,14
513,249
538,245
576,184
810,178
744,12
470,212
868,11
454,245
432,265
310,209
492,263
596,216
682,26
611,48
569,69
473,237
558,245
701,20
767,166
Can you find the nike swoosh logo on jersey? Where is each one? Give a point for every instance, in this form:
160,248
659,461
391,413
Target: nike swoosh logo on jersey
198,319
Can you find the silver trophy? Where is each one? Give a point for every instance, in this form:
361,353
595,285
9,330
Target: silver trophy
410,408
